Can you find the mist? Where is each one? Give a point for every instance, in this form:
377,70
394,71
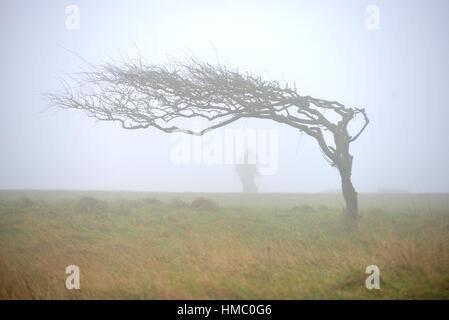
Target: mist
397,70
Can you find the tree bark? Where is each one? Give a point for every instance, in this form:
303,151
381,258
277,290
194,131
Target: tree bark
350,196
343,161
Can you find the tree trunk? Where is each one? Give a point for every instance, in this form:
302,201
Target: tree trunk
343,162
350,196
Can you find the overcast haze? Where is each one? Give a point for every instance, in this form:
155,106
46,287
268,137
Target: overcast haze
399,73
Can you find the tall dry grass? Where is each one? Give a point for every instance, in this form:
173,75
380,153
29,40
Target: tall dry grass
141,249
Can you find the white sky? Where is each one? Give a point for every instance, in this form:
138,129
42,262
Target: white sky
399,73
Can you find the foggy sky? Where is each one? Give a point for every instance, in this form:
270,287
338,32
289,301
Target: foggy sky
398,73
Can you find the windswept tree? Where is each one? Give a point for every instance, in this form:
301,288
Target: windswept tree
139,95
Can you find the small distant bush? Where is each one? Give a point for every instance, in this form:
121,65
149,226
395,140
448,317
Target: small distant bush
204,204
178,204
304,208
323,208
91,205
152,201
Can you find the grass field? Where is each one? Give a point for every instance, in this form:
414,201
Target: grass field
223,246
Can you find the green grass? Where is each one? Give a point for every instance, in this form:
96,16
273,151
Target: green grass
149,247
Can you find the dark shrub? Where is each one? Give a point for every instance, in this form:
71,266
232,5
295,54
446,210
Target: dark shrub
304,208
204,204
91,205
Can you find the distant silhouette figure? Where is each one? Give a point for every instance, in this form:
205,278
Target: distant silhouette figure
247,173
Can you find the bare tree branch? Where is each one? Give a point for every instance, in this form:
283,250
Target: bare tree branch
141,96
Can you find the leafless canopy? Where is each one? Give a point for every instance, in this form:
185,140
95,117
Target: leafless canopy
140,96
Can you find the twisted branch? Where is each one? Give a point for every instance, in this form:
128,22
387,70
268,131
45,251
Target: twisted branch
139,96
